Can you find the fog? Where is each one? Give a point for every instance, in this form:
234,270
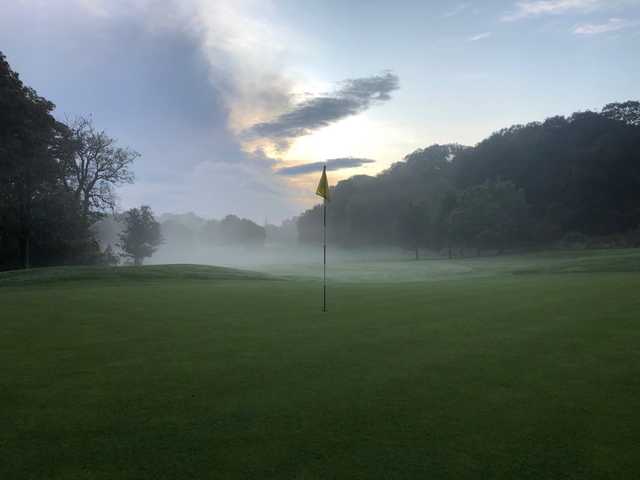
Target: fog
240,243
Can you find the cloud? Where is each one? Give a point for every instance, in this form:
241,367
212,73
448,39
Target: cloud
535,8
332,165
480,36
612,25
198,72
456,10
354,96
247,51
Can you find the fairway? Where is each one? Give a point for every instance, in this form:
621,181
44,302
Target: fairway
524,367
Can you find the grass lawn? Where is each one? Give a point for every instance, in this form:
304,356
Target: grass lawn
528,370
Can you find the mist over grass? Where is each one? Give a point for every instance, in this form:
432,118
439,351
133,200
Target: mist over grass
388,264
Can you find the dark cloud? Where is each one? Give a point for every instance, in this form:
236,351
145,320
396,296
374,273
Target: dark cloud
152,89
354,96
333,164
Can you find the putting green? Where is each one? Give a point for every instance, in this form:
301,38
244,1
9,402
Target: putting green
521,368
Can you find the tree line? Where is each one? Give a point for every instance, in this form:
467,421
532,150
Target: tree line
57,179
183,234
568,179
189,230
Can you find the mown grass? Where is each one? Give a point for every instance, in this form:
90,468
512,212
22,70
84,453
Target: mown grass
504,376
124,274
403,270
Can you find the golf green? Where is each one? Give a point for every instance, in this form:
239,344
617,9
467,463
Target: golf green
195,372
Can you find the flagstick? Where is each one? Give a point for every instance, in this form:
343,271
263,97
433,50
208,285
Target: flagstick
324,249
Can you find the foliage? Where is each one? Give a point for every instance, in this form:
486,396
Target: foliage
285,233
233,230
54,180
579,174
491,215
628,112
523,186
141,235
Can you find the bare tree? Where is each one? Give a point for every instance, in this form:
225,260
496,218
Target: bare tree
94,165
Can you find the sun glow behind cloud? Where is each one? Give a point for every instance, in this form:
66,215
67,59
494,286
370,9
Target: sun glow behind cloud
264,83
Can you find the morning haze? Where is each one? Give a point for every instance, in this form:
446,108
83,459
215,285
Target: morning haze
321,239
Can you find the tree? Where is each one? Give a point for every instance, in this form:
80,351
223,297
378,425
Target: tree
413,227
93,165
46,188
628,112
27,167
210,232
233,230
402,206
141,235
489,216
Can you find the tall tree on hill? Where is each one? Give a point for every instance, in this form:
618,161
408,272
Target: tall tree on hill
94,165
141,235
27,168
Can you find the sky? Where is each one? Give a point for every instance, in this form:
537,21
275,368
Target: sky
235,105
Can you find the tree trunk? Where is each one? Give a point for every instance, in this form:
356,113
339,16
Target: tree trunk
85,206
25,254
417,254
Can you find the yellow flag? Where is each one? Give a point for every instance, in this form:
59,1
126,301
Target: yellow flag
323,186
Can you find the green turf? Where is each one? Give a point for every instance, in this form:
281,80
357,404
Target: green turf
532,376
38,276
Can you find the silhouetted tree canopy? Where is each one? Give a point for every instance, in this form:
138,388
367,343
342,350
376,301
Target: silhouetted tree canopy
233,231
489,215
524,185
567,179
54,180
628,112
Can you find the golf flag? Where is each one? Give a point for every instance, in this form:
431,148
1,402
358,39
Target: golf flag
323,191
323,186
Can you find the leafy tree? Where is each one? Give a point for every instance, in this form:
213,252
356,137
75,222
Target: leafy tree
580,173
210,232
177,233
628,112
110,257
287,232
141,235
28,169
45,196
233,230
382,210
492,215
240,231
413,227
